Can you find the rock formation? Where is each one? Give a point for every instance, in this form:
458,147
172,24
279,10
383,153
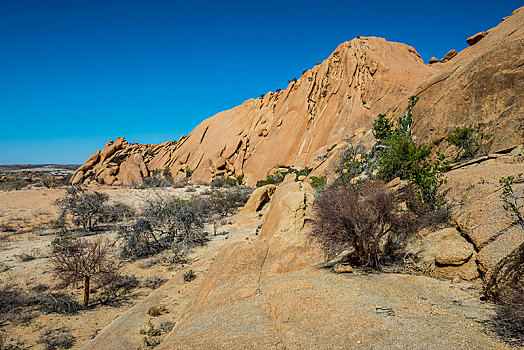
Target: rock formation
270,289
334,100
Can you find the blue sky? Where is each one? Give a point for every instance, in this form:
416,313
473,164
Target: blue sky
75,74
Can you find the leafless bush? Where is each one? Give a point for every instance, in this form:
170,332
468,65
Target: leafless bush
156,181
221,202
154,282
506,288
86,208
114,288
139,240
118,212
366,218
80,260
426,216
60,303
59,338
12,300
189,276
167,223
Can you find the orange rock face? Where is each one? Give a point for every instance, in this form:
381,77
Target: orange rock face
291,127
337,99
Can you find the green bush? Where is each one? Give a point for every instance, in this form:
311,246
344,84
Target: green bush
397,155
278,176
382,127
469,141
319,182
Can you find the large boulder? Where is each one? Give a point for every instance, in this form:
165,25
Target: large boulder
472,40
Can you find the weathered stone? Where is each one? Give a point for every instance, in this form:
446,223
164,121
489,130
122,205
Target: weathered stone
342,268
220,163
433,60
258,199
77,178
472,40
449,56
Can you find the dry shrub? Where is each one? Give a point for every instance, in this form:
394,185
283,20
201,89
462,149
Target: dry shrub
80,261
156,311
506,288
366,218
60,303
12,301
154,282
189,276
59,338
115,288
86,207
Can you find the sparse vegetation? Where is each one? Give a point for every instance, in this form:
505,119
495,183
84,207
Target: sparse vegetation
86,208
58,338
156,311
153,282
166,223
114,288
226,181
366,218
60,303
189,276
151,335
80,261
319,182
278,176
397,155
469,140
360,213
505,285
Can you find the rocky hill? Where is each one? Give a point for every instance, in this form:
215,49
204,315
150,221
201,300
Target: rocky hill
329,103
336,100
265,287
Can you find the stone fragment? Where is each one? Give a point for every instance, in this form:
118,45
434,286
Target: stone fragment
220,163
77,178
449,56
342,268
472,40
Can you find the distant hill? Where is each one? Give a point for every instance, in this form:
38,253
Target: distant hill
51,169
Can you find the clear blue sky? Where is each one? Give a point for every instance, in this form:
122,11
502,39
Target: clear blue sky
75,73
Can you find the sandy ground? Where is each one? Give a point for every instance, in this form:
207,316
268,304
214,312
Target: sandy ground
24,219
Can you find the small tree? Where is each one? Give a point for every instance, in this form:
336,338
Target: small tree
80,260
469,141
86,208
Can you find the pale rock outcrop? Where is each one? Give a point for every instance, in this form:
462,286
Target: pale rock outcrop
342,95
133,170
268,293
258,199
291,127
446,252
